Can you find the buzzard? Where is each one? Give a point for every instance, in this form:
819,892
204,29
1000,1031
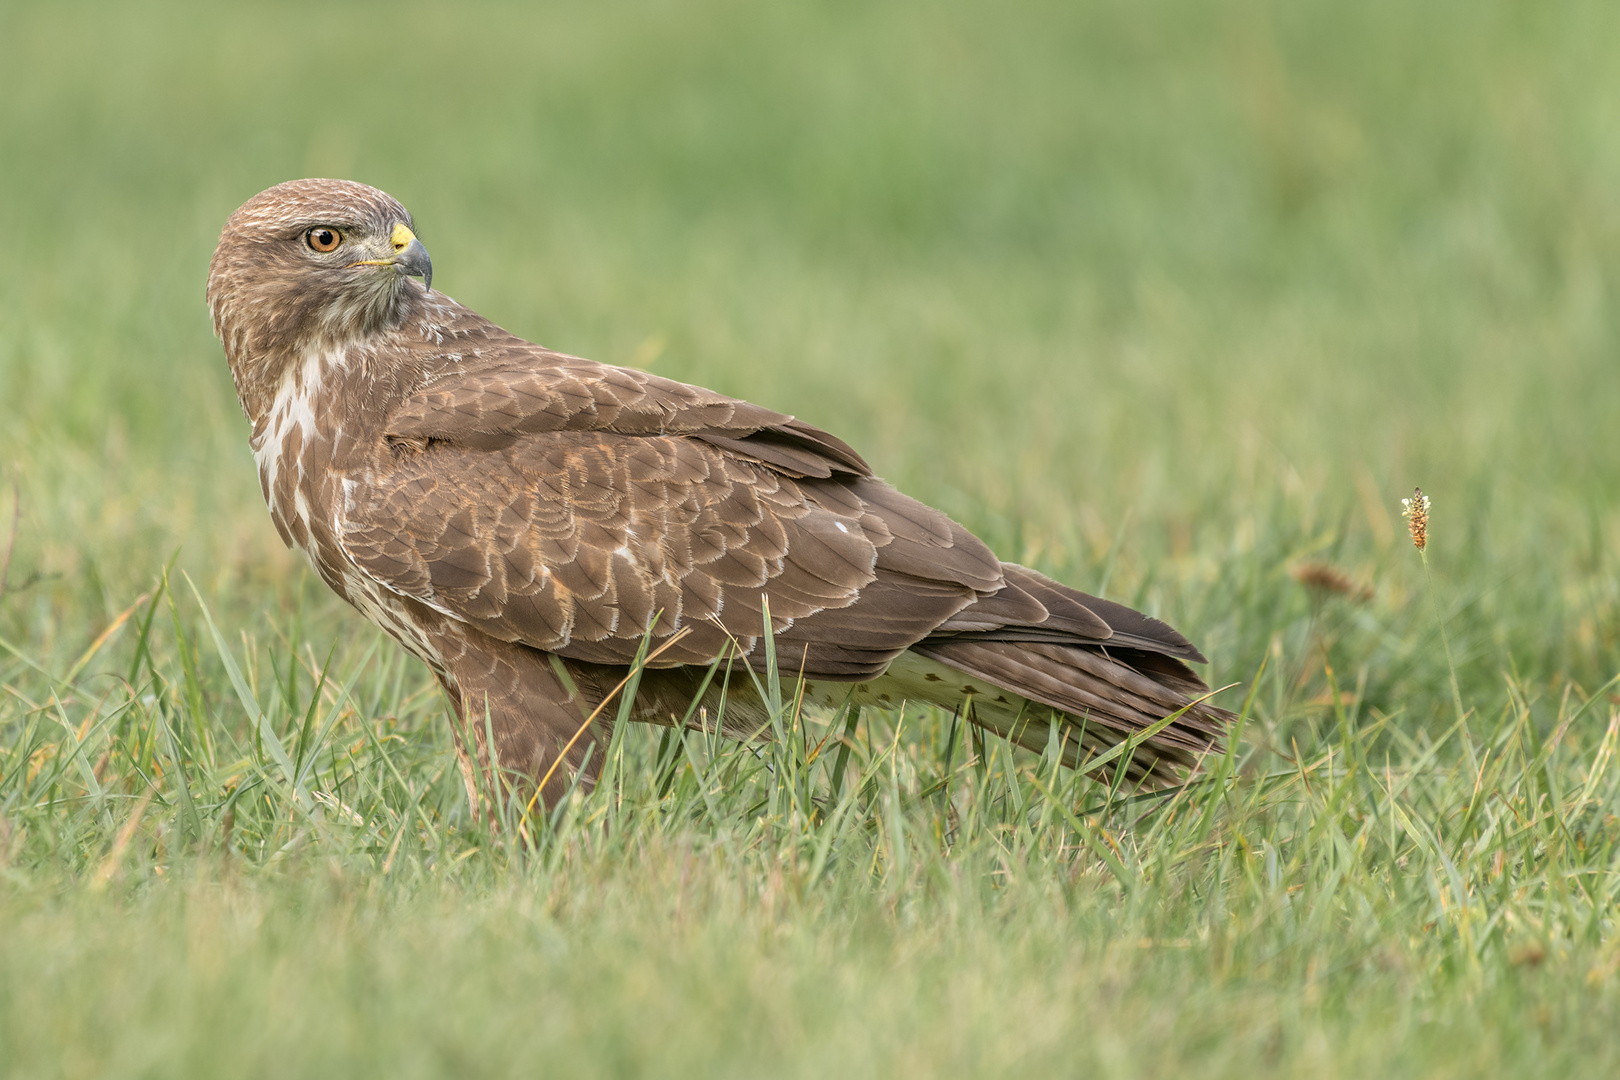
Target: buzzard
522,520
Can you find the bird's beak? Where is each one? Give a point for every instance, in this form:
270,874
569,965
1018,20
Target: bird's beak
409,258
413,258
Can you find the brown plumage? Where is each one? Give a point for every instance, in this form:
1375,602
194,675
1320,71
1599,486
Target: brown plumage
519,519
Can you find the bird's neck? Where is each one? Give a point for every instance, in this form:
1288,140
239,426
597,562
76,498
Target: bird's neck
373,368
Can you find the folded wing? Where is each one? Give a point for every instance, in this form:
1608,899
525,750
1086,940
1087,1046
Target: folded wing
572,506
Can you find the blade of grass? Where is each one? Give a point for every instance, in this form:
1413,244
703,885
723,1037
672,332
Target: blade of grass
250,705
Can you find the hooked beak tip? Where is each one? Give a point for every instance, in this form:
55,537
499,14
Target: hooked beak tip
416,262
410,258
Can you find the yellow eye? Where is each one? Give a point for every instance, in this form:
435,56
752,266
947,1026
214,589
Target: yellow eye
323,239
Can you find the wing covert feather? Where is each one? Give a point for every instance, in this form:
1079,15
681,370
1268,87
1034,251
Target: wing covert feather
516,388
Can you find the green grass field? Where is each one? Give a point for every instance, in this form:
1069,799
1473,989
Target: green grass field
1170,300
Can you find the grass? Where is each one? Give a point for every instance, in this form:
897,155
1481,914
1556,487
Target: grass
1175,301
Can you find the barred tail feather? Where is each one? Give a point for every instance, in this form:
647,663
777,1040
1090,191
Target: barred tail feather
1104,695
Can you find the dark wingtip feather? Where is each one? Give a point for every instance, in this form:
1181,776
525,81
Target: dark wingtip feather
1130,627
1071,617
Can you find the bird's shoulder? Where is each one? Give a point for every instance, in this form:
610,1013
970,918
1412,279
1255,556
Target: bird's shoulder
480,386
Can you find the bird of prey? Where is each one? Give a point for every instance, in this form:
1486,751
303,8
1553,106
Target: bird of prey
522,520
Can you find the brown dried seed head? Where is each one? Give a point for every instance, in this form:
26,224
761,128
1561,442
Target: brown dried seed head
1416,513
1327,578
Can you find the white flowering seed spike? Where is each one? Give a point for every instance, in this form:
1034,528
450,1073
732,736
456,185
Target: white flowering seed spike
1416,513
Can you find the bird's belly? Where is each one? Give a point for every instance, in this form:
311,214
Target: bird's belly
916,678
387,611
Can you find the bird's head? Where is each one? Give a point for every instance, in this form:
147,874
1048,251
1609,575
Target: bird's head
311,263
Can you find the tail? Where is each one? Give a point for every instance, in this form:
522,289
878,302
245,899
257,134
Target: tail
1108,670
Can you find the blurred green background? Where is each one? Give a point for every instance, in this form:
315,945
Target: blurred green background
1174,300
1169,295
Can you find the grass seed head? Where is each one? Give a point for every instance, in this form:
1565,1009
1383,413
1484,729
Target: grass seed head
1416,513
1324,577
